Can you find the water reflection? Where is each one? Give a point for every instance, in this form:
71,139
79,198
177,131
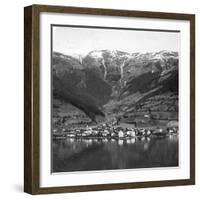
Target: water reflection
120,142
103,154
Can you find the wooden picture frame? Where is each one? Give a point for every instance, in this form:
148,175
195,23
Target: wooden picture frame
32,93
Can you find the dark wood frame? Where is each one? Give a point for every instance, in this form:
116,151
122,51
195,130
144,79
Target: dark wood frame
32,106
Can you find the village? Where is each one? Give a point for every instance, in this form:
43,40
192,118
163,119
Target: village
107,130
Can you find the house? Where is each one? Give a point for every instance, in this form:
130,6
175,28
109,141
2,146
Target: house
121,133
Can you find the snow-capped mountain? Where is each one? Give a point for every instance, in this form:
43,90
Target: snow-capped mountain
103,76
117,66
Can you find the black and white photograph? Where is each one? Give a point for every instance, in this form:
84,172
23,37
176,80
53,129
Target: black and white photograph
114,98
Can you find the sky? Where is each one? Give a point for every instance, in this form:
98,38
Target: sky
80,41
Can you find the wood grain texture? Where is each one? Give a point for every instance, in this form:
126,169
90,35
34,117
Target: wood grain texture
192,98
32,91
31,100
28,163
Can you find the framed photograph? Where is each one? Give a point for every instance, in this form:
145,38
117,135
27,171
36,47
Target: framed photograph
109,99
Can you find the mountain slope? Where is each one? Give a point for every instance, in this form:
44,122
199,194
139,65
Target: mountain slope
70,85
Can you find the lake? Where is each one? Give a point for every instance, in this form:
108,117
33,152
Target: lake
106,154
